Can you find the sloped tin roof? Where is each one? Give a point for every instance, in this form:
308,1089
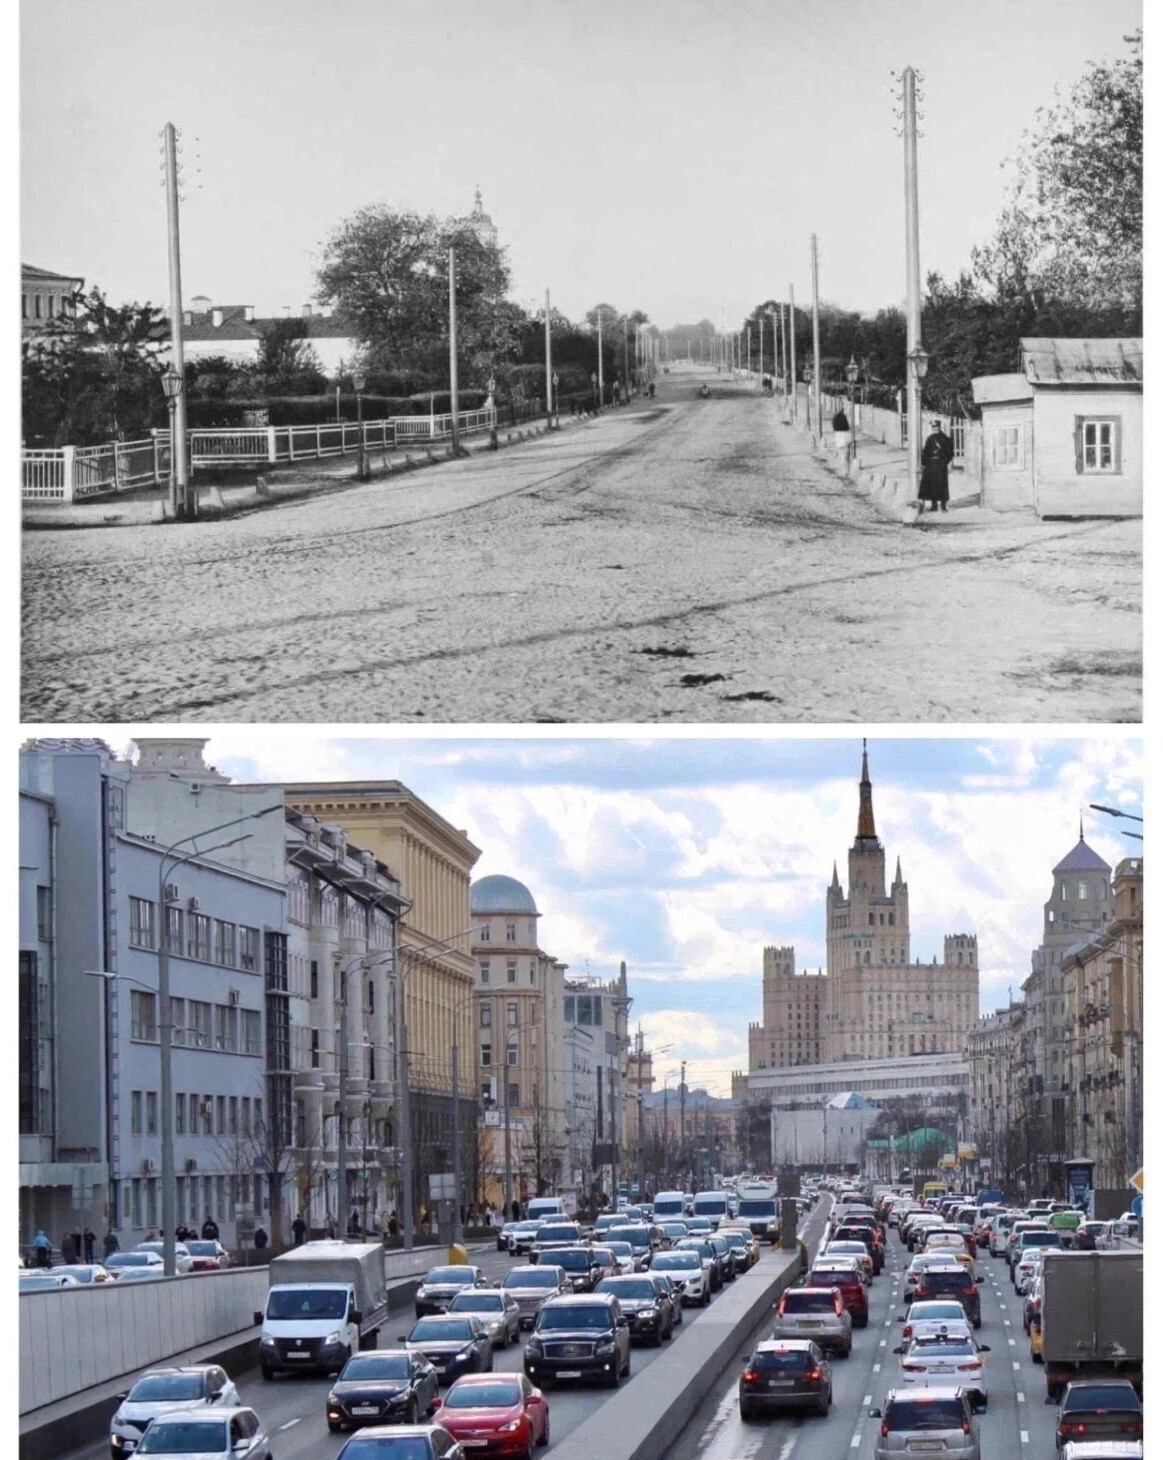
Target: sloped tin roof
1082,362
994,390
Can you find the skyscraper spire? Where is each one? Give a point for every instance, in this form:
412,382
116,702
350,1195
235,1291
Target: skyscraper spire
835,877
898,880
865,824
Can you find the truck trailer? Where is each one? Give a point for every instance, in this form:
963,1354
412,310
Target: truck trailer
1092,1317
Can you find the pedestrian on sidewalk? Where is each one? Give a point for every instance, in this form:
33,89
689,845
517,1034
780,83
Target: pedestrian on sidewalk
260,1237
936,454
110,1243
90,1240
209,1230
299,1229
42,1250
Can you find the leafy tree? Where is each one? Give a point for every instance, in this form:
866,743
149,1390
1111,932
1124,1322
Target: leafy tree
285,361
96,376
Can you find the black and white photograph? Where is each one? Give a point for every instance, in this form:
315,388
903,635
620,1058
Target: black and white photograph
629,363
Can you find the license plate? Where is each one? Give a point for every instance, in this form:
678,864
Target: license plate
293,1354
811,1323
781,1383
365,1409
568,1374
941,1369
474,1444
928,1446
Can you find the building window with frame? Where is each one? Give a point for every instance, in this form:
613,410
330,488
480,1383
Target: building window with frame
143,1016
486,1055
514,1093
510,932
486,1015
484,934
512,1056
1007,442
226,1028
220,1111
314,1049
245,1116
299,896
151,1112
174,926
224,943
135,1104
198,937
484,970
248,945
207,1115
314,978
141,922
233,1116
1098,445
511,971
511,1015
179,1114
177,1021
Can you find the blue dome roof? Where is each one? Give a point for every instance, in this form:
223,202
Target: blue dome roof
501,895
1082,859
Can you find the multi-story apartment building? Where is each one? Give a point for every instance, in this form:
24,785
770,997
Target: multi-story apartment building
433,863
601,1010
995,1094
520,1059
872,1002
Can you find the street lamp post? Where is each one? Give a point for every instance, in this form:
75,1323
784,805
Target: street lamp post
359,380
601,368
453,404
491,407
918,367
852,372
172,386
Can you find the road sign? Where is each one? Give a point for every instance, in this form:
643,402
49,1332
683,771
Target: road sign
442,1186
1137,1181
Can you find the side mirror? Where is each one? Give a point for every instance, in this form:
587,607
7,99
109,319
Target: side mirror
983,1348
875,1414
401,1338
900,1317
121,1397
745,1360
1050,1399
356,1316
900,1348
257,1316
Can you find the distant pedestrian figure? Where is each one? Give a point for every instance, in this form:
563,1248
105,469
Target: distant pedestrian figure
516,1211
393,1225
69,1252
209,1230
936,454
260,1237
42,1250
617,393
840,421
90,1240
299,1230
110,1243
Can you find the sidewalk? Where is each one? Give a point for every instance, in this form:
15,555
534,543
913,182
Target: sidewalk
278,485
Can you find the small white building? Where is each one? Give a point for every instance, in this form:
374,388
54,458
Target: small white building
233,332
826,1135
1065,434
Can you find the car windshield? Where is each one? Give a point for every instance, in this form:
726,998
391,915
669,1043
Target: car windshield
551,1233
756,1208
605,1256
1039,1239
129,1259
572,1261
806,1301
483,1396
635,1236
306,1303
621,1249
1096,1397
924,1413
477,1303
184,1437
734,1239
675,1262
388,1447
531,1278
790,1361
166,1386
377,1366
943,1347
923,1312
704,1249
948,1280
598,1319
202,1249
838,1277
441,1328
628,1287
458,1276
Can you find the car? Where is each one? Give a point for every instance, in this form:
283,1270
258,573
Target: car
555,1234
183,1262
1086,1235
86,1273
815,1313
453,1343
119,1263
502,1414
496,1309
522,1235
925,1260
503,1232
145,1274
624,1253
380,1385
916,1421
579,1336
232,1434
945,1358
608,1261
934,1315
581,1268
1102,1450
1094,1409
950,1282
641,1239
650,1312
42,1282
732,1230
865,1237
1027,1268
532,1286
731,1263
403,1442
441,1284
674,1230
207,1255
687,1270
855,1250
842,1273
739,1243
785,1373
666,1282
1042,1238
168,1390
710,1257
606,1220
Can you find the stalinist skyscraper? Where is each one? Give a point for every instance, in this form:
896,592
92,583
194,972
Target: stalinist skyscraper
872,1002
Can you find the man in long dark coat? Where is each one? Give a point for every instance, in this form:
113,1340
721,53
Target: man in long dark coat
936,454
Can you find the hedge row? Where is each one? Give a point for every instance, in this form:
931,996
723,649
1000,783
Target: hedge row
320,410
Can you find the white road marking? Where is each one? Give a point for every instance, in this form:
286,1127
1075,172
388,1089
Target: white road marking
867,1399
855,1445
1016,1364
1024,1435
789,1446
876,1368
1006,1321
1013,1343
1021,1397
883,1343
288,1424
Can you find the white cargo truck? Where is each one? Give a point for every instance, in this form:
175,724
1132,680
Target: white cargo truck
325,1302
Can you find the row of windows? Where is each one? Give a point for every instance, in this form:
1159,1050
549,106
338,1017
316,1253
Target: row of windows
587,1007
45,306
510,970
197,1197
512,1055
510,933
195,935
488,1093
207,1115
197,1024
323,904
486,1014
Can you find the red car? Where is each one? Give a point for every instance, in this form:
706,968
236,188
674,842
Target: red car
495,1414
851,1286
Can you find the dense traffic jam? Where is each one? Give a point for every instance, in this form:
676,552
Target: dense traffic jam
579,1298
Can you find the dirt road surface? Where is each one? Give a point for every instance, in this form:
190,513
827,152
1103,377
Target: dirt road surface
680,559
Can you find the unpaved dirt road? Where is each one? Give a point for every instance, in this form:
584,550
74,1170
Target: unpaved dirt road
684,560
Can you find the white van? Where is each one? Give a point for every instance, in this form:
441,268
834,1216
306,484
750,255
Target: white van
544,1206
669,1204
712,1204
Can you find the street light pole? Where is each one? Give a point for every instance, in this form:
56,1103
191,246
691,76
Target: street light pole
912,274
601,368
183,498
452,384
548,369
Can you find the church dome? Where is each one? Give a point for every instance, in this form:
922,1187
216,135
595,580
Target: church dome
501,895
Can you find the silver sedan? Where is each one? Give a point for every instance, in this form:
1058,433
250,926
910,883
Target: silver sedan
497,1310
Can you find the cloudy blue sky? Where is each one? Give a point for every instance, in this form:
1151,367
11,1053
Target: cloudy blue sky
685,856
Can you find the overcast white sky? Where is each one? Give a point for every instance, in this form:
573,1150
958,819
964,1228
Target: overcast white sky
686,857
668,156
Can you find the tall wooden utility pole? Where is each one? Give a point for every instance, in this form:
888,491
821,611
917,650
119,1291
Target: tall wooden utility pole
452,391
184,505
912,277
817,410
791,309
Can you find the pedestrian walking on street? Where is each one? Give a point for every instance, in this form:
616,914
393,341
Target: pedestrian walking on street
393,1226
209,1230
260,1237
936,454
42,1250
110,1243
90,1240
299,1230
69,1250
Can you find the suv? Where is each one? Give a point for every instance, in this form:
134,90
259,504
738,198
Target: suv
191,1387
782,1373
815,1313
954,1281
937,1419
847,1278
581,1267
533,1286
1093,1409
580,1336
442,1284
649,1309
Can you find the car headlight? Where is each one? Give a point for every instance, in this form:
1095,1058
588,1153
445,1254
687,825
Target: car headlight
116,1439
607,1346
333,1337
333,1399
266,1341
533,1349
512,1427
649,1313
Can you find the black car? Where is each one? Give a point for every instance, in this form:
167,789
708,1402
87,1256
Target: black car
1095,1409
668,1283
382,1385
954,1281
728,1260
580,1266
640,1239
579,1336
453,1343
649,1309
785,1373
442,1284
403,1442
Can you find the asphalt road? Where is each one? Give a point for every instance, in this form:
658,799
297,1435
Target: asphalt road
292,1408
681,559
1018,1424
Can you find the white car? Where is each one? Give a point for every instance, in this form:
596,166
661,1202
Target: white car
43,1281
86,1272
918,1265
119,1263
167,1391
1027,1268
934,1317
688,1269
852,1249
235,1434
943,1360
183,1262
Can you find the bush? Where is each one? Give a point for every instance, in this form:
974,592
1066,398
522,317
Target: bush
468,400
298,410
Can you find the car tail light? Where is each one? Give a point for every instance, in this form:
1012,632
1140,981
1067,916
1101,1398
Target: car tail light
816,1374
965,1427
1073,1427
750,1375
884,1431
907,1331
1132,1427
780,1309
838,1303
913,1368
967,1368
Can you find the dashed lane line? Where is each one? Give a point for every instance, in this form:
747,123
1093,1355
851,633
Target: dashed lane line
289,1423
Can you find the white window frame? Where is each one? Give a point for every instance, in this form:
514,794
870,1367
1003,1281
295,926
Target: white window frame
1089,451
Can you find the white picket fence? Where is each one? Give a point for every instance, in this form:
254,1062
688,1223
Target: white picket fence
74,473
